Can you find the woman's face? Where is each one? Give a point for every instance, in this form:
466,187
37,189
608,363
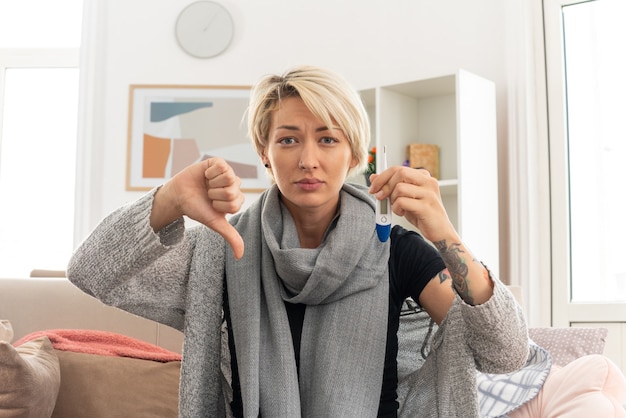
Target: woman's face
308,159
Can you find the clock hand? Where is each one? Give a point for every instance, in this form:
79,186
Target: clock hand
211,19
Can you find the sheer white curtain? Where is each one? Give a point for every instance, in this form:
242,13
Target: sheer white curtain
528,171
90,146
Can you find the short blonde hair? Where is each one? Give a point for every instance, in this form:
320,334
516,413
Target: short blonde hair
326,94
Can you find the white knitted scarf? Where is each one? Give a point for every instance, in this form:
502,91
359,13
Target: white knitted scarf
345,285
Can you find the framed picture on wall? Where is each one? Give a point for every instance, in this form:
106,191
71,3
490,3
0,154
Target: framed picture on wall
173,126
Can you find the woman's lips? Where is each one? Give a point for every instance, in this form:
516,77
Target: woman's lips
309,184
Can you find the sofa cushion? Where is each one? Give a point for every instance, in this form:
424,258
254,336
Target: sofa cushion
567,344
29,379
98,386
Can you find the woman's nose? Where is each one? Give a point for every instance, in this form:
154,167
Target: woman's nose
309,158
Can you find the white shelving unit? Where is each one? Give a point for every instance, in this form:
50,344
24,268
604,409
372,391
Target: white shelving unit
457,112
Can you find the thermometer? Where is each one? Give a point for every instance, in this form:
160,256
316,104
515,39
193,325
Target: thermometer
383,207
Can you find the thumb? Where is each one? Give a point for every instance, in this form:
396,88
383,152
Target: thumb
230,234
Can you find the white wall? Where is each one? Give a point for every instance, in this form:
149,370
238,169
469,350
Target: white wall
371,42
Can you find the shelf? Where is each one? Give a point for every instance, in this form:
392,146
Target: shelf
448,183
423,89
448,187
456,112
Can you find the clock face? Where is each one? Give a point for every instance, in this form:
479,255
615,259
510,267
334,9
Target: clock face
204,29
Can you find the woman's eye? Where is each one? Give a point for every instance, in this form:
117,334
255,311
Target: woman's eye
328,140
287,141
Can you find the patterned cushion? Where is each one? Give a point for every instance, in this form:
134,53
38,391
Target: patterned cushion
567,344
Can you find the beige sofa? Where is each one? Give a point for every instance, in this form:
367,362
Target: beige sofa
105,386
90,385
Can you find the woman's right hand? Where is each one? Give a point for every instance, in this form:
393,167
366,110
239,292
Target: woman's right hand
205,192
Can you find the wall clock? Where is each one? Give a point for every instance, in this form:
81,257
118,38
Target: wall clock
204,29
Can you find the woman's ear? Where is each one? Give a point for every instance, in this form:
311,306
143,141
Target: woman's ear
354,162
264,159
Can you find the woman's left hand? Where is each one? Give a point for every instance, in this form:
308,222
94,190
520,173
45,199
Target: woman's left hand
415,195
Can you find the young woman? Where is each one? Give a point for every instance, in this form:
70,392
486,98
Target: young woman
312,303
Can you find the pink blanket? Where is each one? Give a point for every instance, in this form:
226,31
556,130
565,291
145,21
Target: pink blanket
102,343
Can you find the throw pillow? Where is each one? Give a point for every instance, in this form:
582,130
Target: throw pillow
29,379
567,344
6,331
98,386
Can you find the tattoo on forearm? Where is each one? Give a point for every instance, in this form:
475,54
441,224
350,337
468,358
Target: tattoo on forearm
457,267
443,276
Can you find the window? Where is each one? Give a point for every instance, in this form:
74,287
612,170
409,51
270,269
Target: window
39,80
595,86
585,87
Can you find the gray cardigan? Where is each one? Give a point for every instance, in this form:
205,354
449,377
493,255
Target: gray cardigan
175,277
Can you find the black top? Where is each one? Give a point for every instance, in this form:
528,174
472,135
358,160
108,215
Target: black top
412,263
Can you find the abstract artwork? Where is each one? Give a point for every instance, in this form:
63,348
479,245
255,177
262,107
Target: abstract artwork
171,127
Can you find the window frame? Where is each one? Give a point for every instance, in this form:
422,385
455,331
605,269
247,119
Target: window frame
564,312
36,58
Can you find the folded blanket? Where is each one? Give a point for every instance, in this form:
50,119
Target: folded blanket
103,343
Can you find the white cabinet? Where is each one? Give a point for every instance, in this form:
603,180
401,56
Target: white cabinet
457,112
